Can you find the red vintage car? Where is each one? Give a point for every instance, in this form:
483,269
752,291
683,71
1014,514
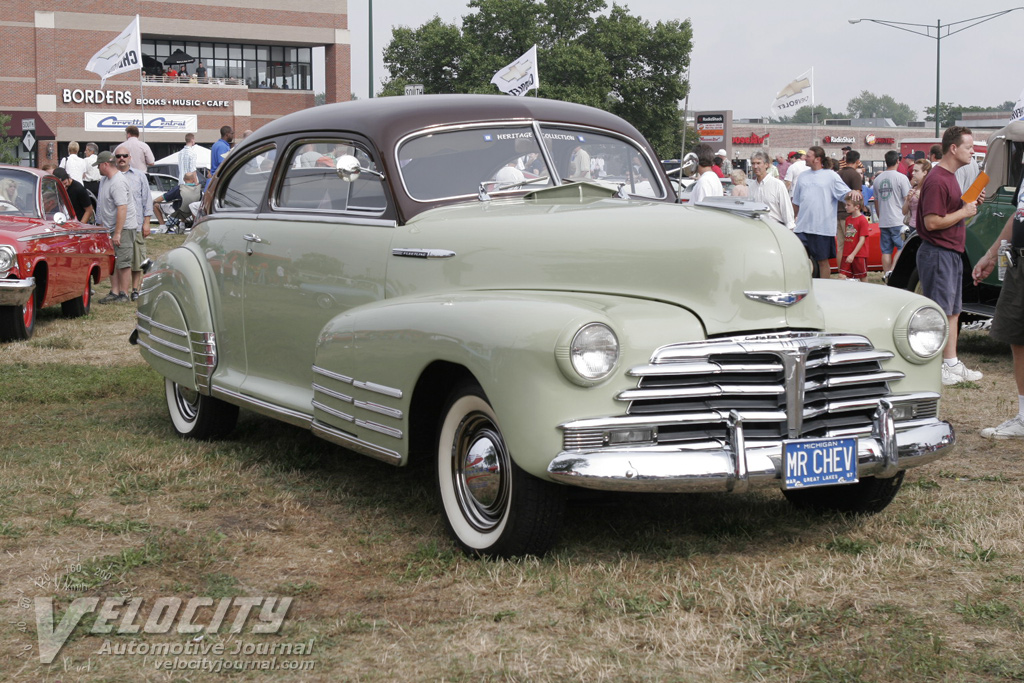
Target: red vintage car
47,256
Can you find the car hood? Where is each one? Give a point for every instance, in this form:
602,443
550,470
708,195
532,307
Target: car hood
710,262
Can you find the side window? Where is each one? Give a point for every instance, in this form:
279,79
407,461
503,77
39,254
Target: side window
311,180
247,181
52,201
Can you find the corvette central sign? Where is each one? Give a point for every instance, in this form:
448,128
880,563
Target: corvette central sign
161,123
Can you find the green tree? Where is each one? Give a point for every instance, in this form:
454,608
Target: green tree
8,146
614,61
868,105
948,114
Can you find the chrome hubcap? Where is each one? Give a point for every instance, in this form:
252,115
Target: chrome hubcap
480,471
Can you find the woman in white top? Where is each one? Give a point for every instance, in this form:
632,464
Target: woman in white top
74,164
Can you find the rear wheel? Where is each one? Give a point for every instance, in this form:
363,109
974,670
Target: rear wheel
76,308
492,507
866,497
196,416
17,323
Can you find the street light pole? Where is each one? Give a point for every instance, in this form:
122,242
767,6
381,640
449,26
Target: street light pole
370,33
940,33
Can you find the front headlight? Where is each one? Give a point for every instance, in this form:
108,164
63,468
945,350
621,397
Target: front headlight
594,352
8,259
923,335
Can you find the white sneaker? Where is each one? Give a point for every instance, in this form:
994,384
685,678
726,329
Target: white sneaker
954,374
1011,429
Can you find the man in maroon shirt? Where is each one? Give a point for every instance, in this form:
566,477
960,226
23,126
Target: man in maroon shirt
941,212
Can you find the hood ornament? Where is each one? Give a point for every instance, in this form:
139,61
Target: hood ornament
778,298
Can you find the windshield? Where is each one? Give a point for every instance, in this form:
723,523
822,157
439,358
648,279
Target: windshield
18,194
508,159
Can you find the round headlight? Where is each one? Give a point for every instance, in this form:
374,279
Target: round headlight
926,332
594,351
8,259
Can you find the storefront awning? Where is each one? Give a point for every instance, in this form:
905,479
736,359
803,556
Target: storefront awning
42,131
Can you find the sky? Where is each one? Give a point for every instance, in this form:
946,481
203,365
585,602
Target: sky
744,52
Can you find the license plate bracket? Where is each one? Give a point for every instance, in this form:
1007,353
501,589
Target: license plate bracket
808,463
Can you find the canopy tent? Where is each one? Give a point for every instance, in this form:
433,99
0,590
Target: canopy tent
203,157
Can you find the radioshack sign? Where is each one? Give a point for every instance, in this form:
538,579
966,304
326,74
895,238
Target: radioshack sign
837,140
159,123
710,127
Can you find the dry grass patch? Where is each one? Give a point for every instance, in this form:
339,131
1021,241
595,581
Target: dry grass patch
97,492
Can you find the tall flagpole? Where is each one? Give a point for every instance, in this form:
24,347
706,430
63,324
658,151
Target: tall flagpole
814,123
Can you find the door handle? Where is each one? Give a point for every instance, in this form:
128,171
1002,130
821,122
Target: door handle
252,237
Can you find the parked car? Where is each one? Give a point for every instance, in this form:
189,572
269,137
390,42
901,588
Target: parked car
1004,164
47,257
873,244
361,271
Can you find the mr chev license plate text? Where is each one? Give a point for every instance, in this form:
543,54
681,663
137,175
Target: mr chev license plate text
819,462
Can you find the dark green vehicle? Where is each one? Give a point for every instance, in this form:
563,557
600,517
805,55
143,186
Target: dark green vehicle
1004,164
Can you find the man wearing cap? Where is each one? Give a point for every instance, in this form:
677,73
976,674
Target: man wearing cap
814,200
141,198
796,167
115,210
81,200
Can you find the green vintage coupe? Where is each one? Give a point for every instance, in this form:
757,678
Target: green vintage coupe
506,287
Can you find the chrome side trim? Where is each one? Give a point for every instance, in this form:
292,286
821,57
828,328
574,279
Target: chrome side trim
377,427
378,388
378,408
347,440
423,253
204,354
164,356
783,299
333,375
161,326
317,405
162,342
292,417
333,394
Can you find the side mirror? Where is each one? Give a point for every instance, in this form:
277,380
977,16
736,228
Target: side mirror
347,167
59,218
689,164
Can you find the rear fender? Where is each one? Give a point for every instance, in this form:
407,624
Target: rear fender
515,345
174,322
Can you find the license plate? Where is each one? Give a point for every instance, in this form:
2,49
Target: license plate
819,462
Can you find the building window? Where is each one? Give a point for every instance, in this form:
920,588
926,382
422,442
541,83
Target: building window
260,66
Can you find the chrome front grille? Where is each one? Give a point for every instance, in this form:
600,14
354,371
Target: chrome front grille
782,386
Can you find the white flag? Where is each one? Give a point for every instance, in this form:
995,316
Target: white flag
798,93
1018,109
520,76
120,55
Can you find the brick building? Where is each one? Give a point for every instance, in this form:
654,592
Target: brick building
260,57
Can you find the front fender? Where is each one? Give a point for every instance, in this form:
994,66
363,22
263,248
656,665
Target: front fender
174,322
370,360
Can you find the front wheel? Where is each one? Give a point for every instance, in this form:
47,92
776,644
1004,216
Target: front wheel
196,416
17,323
492,507
866,497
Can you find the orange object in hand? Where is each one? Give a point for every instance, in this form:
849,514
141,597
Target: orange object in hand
974,191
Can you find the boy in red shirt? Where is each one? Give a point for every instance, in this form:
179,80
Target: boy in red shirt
855,250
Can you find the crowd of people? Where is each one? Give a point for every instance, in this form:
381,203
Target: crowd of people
917,192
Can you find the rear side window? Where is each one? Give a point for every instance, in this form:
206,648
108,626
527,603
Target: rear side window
311,181
52,200
246,183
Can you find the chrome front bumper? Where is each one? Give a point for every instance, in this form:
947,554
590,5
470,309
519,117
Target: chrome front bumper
681,470
16,292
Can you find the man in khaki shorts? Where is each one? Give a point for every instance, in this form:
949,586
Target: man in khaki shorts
115,211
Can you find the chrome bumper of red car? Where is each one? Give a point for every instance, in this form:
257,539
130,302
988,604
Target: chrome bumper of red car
16,292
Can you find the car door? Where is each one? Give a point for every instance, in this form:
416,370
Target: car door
66,264
321,250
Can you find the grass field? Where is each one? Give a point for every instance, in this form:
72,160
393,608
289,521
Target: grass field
98,498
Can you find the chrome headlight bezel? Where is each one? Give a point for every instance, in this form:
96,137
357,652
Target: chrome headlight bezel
920,333
590,355
8,259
